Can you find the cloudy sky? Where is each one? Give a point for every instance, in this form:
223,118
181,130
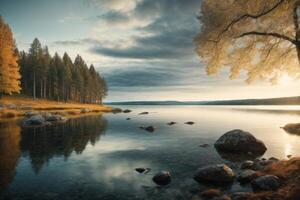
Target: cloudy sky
144,48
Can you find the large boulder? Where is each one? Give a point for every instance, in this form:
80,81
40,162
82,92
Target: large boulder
36,120
239,141
162,178
266,183
216,174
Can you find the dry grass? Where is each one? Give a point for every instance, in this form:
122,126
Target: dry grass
27,104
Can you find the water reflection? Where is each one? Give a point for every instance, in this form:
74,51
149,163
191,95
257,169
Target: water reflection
42,144
9,152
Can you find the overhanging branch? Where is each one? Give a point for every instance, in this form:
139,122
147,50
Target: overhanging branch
276,35
246,16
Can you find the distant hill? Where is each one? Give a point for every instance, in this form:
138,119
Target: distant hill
271,101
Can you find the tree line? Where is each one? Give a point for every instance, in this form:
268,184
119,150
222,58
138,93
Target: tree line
38,74
59,78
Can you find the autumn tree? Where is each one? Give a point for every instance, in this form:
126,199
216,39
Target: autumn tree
260,37
9,67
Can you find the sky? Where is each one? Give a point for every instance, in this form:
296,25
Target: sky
143,48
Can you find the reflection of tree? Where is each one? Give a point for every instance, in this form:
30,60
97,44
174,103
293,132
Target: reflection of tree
9,152
42,144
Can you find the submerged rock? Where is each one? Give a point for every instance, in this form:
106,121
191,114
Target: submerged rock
148,128
240,141
162,178
204,145
142,170
127,111
292,128
266,183
190,123
116,110
128,118
171,123
240,195
216,173
144,113
36,120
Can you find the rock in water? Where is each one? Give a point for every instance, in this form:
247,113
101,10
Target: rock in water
36,120
240,141
190,123
56,118
248,164
171,123
126,111
140,170
144,113
148,128
292,128
211,193
266,183
247,176
216,174
162,178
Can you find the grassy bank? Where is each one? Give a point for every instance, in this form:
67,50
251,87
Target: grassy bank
12,107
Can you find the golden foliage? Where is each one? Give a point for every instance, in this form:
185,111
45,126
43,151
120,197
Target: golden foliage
9,68
257,37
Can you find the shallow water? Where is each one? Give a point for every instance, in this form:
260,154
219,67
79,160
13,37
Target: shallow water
94,157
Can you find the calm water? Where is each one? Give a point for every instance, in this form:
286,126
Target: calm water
94,157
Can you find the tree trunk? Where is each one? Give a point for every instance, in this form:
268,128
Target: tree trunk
298,50
34,94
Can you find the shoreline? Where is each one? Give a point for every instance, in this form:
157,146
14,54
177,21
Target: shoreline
14,108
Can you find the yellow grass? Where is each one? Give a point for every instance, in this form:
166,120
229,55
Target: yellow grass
28,104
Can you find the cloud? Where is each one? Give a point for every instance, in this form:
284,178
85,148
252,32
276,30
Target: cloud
169,33
85,41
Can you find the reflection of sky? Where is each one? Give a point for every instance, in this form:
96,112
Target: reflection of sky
143,48
106,169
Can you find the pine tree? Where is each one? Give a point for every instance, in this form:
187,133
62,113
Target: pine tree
9,67
35,64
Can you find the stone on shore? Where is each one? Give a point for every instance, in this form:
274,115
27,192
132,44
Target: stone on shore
85,110
239,141
162,178
248,164
247,176
266,183
216,174
55,118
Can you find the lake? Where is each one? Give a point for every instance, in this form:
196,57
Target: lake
95,157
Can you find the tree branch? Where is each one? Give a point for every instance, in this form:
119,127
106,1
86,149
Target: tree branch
276,35
251,16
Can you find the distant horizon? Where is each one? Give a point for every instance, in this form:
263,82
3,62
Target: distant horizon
215,100
141,50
